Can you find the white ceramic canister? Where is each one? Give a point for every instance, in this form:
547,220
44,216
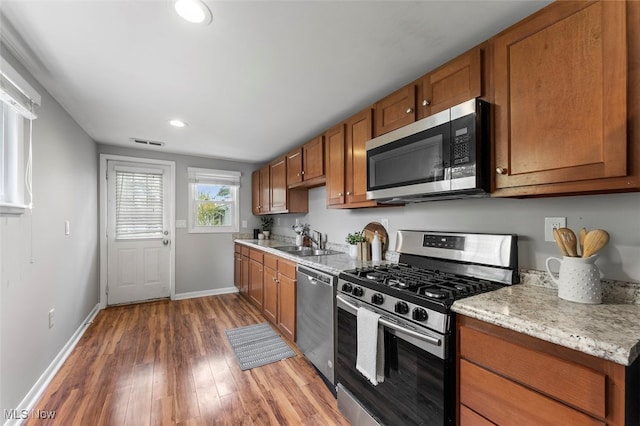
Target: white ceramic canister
578,279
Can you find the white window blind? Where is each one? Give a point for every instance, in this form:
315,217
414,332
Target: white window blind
213,200
139,205
17,101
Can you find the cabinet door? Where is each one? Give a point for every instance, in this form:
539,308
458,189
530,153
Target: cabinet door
294,167
335,153
270,301
255,282
396,110
287,306
560,98
244,279
455,82
265,190
255,192
313,159
358,129
237,270
278,177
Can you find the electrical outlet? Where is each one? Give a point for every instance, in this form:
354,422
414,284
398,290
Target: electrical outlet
51,317
551,223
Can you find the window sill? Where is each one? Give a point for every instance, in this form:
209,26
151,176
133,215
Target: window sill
12,209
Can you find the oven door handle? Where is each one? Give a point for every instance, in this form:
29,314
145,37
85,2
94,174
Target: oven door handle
353,309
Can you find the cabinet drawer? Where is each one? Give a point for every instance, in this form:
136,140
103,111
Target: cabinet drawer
287,268
568,382
271,261
245,251
256,255
504,402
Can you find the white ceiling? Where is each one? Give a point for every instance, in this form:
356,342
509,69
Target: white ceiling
263,77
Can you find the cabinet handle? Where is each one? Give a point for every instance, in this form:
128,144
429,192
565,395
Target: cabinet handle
340,194
409,110
426,103
298,174
302,172
501,170
348,192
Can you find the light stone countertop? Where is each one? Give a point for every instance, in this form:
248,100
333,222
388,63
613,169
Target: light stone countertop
610,330
332,263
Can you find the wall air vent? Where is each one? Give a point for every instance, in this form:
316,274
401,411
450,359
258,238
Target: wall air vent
147,142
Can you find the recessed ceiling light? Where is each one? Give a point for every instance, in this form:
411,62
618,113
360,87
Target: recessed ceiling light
177,123
194,11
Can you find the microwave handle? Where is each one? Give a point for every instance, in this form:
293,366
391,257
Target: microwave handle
351,308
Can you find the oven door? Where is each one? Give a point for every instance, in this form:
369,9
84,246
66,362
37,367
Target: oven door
418,387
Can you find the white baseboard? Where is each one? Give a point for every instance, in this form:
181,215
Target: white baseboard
214,292
28,403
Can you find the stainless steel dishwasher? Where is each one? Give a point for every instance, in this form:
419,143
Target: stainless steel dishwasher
315,315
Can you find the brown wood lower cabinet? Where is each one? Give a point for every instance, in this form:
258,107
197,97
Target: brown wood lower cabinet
505,378
270,285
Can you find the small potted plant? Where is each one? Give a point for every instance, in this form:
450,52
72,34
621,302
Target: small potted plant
301,230
355,241
267,224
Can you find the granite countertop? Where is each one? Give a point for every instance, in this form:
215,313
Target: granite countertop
331,263
610,330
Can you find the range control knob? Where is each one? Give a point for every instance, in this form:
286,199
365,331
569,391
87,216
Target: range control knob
419,314
358,292
402,308
346,287
377,299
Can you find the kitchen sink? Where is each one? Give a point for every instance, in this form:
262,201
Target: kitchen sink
306,251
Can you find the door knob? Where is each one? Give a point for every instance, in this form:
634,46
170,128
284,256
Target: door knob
501,170
165,242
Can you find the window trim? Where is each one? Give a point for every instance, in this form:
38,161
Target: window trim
230,178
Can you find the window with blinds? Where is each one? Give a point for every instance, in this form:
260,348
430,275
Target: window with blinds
213,200
139,205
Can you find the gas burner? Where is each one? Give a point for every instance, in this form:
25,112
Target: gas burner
374,276
434,293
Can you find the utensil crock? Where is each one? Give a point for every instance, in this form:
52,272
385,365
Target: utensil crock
578,280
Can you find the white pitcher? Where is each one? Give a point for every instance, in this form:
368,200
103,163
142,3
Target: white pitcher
578,280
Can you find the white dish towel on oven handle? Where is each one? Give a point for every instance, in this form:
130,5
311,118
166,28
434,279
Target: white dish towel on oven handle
370,355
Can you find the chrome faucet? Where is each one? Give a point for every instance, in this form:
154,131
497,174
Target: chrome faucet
317,240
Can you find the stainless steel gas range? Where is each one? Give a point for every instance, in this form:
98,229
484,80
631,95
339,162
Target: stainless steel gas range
411,302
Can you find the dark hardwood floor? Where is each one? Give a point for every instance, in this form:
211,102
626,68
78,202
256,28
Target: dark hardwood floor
169,362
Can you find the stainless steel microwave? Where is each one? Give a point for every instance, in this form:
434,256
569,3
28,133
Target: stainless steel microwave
443,156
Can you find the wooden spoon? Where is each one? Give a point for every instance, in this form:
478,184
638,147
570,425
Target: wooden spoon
569,240
559,242
581,235
594,241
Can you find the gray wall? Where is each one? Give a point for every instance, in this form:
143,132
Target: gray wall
64,272
203,261
619,214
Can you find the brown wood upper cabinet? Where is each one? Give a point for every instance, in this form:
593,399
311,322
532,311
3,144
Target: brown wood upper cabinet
269,192
278,185
260,191
455,82
396,110
562,81
305,165
347,163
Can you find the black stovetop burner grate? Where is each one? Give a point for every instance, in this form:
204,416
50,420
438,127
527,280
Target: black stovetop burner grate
434,285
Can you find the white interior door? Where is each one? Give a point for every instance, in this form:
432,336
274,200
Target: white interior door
138,233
